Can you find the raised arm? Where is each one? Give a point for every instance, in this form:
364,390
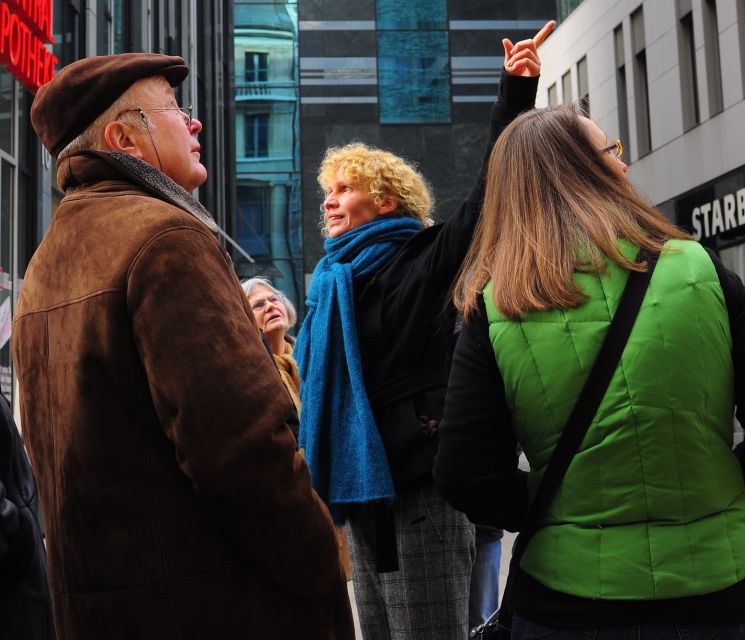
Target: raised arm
517,90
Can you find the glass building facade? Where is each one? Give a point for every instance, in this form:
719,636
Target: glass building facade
564,8
12,154
415,77
413,62
267,222
28,191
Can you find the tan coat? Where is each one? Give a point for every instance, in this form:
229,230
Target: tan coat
176,504
288,372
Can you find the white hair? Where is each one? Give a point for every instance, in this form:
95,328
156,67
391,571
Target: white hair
123,109
250,284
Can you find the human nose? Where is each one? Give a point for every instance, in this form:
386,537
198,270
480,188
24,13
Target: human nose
330,202
195,126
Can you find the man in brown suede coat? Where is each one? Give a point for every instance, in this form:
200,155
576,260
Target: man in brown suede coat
176,503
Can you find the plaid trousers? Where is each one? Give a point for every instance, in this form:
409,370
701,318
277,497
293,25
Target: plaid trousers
427,598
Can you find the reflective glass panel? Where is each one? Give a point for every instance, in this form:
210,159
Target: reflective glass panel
565,7
6,208
413,76
7,87
253,223
256,66
120,26
256,129
267,103
394,14
104,24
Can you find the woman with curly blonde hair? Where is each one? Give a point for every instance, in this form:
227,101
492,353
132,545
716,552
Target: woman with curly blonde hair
380,174
373,359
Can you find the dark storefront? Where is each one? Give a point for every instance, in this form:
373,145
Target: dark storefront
714,213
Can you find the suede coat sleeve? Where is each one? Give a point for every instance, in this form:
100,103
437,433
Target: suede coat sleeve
221,402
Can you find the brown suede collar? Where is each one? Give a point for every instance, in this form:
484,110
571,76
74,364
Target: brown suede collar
90,167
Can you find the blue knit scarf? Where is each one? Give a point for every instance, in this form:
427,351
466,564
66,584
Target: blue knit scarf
342,445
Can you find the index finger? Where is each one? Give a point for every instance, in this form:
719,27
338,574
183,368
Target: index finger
541,35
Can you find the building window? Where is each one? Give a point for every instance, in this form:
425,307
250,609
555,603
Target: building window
566,88
564,8
253,226
553,97
641,84
741,39
256,126
8,259
30,214
417,16
7,112
583,87
267,218
121,20
104,28
69,25
127,24
621,93
688,75
257,66
713,64
413,62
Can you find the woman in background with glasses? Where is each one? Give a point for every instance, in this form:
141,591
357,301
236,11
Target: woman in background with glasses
645,538
276,315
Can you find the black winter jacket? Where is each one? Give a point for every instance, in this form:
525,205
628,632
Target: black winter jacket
405,322
25,603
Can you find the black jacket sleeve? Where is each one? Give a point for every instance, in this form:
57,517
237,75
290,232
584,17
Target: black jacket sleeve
21,545
734,298
476,466
443,254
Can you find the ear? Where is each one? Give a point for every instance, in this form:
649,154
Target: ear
388,205
119,137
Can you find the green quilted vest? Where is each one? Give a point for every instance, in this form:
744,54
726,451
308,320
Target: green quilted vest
653,504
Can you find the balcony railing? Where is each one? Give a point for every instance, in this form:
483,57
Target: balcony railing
246,91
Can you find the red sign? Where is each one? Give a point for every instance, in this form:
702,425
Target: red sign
25,25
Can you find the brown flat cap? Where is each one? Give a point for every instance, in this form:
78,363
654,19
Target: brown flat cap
65,106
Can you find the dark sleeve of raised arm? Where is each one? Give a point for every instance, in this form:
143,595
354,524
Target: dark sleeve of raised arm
445,255
476,466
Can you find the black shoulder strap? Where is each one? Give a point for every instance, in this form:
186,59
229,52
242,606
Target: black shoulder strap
584,410
591,395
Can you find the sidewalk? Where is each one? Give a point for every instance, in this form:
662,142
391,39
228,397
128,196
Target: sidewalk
357,632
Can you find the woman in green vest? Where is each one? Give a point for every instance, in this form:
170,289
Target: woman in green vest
646,535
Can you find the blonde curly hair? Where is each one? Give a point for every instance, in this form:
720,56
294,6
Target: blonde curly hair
381,174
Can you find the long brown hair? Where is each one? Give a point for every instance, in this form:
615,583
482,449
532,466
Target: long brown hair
552,206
